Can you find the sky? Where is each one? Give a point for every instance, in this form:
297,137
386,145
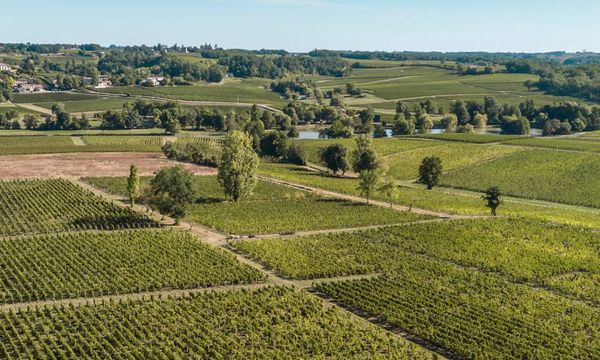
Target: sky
303,25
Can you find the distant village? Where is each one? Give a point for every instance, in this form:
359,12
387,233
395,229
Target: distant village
29,85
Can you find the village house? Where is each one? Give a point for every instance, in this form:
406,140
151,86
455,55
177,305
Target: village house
26,88
152,80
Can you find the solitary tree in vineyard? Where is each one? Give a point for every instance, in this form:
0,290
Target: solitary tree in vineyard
368,180
390,190
492,196
430,171
237,171
172,190
133,185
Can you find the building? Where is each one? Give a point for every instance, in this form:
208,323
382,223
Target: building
152,80
5,67
30,88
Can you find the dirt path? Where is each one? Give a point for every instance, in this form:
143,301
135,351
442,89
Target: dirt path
78,141
34,107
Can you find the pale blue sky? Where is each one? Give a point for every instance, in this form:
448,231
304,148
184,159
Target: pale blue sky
301,25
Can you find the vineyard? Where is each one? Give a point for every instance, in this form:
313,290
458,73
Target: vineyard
468,138
153,142
439,199
100,263
560,143
567,177
265,324
505,246
405,165
473,314
272,209
46,206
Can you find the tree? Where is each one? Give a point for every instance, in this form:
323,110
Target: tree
335,158
367,183
479,121
171,190
430,171
133,185
364,156
366,117
379,131
31,121
275,144
424,122
237,170
390,190
493,198
460,110
449,122
403,125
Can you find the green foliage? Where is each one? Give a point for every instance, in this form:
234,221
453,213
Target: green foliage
200,151
171,191
133,184
472,314
335,158
367,183
430,171
493,198
273,322
364,156
559,143
102,263
238,166
567,177
45,206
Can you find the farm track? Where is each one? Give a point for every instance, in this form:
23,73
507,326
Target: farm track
34,107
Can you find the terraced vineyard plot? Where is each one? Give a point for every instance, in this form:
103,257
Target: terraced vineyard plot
265,324
405,165
45,206
273,209
89,104
439,199
567,177
473,314
521,250
51,97
100,263
560,143
383,147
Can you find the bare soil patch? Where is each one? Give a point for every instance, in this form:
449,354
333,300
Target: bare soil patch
88,164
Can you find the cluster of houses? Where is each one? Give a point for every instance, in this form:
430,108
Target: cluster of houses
103,82
152,81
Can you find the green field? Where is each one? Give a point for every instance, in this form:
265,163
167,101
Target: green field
559,143
567,177
139,143
440,199
47,206
473,314
272,209
523,251
268,323
19,145
405,165
52,97
93,104
234,90
102,263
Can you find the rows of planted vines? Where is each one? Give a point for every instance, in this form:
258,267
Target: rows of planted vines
522,250
272,208
123,140
268,323
87,264
473,314
46,206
